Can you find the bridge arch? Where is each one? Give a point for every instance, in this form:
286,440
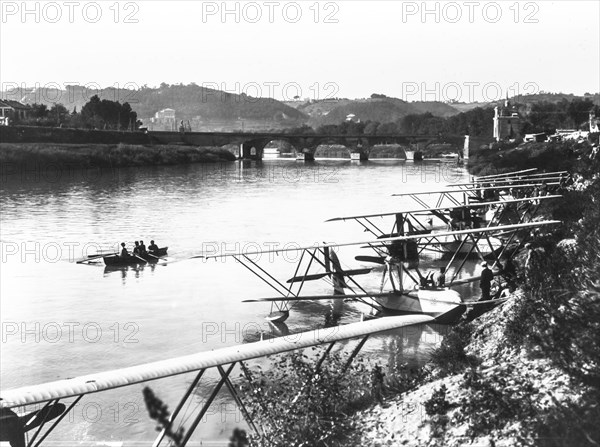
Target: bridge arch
396,151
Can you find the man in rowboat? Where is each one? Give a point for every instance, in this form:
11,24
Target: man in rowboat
153,248
124,252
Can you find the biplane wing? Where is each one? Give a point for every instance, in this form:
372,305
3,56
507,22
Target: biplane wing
383,240
508,182
108,380
461,196
361,295
379,242
461,191
316,297
224,360
523,171
441,208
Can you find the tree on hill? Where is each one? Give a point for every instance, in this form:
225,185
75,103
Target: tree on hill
546,116
39,110
59,114
387,129
371,127
105,114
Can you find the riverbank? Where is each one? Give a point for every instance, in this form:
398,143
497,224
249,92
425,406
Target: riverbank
24,156
527,372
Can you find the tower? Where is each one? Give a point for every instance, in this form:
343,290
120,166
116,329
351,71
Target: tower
507,122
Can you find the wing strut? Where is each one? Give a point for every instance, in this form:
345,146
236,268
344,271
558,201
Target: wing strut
207,404
237,399
355,352
60,418
182,402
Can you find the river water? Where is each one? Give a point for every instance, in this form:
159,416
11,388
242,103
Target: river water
61,319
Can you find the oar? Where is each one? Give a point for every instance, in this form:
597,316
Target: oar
94,257
158,258
141,259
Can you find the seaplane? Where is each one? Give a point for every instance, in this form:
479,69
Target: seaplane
455,217
522,174
410,293
492,188
541,185
478,194
32,416
506,182
512,198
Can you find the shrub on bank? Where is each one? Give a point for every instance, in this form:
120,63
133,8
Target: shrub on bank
451,357
561,315
492,401
298,406
554,156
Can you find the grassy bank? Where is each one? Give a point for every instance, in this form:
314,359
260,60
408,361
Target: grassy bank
32,155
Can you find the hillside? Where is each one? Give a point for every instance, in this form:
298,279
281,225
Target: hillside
191,102
205,109
381,109
436,108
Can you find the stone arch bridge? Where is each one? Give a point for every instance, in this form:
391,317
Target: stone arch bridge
251,145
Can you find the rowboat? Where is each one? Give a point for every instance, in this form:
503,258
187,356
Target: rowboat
115,260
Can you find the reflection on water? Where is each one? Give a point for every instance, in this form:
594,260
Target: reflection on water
62,319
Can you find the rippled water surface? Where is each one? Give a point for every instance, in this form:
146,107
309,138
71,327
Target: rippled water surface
61,319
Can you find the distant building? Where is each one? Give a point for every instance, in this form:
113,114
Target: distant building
571,134
165,114
164,120
12,110
537,137
507,122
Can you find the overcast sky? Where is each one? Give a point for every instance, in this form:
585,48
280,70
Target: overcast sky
457,50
